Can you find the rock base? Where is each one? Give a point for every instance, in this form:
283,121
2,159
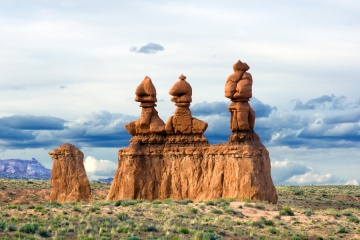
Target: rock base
194,169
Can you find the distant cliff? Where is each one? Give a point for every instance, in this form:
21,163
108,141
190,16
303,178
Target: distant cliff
23,169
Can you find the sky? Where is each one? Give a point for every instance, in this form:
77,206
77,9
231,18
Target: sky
69,70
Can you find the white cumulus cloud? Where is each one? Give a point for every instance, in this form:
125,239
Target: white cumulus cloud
96,169
353,182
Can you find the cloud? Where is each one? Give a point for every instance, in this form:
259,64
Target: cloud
313,178
354,182
297,173
217,116
221,108
150,48
28,122
325,102
283,170
210,108
99,129
96,169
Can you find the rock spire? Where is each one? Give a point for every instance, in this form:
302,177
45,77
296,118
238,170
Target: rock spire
68,177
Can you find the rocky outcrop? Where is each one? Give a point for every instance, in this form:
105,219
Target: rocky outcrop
68,177
23,169
181,164
230,170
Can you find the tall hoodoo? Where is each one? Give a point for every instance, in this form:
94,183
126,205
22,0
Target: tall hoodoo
182,123
238,88
149,122
68,177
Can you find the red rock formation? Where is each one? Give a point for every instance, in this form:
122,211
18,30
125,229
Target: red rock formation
68,177
182,128
149,122
184,165
238,88
229,170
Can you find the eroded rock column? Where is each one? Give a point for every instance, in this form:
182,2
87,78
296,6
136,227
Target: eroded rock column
182,128
68,176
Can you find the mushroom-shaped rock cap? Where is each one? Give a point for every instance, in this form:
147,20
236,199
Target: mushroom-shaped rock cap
146,91
181,87
65,149
240,66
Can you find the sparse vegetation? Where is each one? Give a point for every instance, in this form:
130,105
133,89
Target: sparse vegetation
306,212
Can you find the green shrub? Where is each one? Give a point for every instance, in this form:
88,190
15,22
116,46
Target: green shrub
2,226
272,230
132,237
286,211
122,216
118,203
299,192
216,211
260,207
347,213
192,210
128,202
184,230
342,230
123,230
156,202
29,228
44,233
309,212
211,236
55,204
146,228
209,203
258,224
267,222
12,228
230,211
94,209
353,219
184,201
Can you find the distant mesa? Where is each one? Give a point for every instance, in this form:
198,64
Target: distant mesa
68,178
175,160
23,169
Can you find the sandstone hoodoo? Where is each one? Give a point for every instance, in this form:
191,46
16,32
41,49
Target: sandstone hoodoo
178,162
68,177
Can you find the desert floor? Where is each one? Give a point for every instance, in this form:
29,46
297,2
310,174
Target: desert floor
303,212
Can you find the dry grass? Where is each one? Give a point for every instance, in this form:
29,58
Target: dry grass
319,212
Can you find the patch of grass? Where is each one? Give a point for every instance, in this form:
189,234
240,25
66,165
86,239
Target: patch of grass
216,211
184,230
353,219
342,230
2,226
286,211
29,228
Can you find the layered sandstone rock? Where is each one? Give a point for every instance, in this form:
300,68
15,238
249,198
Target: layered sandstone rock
184,165
68,177
227,170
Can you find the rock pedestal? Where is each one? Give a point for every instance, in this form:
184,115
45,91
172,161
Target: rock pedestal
181,164
68,177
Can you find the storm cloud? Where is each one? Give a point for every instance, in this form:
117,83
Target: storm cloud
100,129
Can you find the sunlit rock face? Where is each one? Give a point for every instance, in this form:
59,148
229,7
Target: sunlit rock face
179,163
68,177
